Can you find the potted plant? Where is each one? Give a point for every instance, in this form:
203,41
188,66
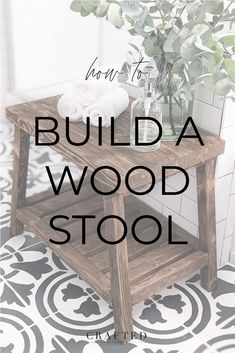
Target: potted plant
184,41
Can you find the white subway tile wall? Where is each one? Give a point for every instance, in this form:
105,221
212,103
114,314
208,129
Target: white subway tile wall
222,196
228,113
226,250
218,101
225,163
171,201
191,191
181,221
231,217
212,114
233,182
207,116
204,96
189,210
220,229
176,182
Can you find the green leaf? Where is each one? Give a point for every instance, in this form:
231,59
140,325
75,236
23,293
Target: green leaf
222,87
166,7
218,55
198,44
195,69
126,69
85,7
229,66
134,46
132,32
218,28
122,78
89,5
129,19
228,41
149,46
214,7
188,49
208,80
76,6
200,29
193,8
183,34
171,57
215,20
131,58
153,9
178,66
84,12
102,9
114,15
208,63
149,21
168,45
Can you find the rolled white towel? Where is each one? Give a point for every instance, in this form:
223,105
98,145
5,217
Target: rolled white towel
87,92
68,105
110,104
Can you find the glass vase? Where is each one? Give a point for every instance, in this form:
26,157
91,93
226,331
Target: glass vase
175,112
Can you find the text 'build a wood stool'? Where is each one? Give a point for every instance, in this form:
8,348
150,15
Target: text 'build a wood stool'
126,273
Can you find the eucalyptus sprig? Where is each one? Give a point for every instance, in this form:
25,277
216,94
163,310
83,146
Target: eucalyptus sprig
183,39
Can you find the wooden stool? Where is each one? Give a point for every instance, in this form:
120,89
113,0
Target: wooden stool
126,273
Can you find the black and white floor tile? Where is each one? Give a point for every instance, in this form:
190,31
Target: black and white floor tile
47,308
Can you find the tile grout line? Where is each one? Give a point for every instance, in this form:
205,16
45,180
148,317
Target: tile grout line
210,104
180,215
229,200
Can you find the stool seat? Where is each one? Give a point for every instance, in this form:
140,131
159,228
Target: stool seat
188,154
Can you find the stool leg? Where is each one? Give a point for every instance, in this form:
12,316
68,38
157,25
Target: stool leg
19,180
119,273
207,222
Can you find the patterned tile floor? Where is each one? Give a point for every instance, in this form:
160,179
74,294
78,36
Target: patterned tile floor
47,308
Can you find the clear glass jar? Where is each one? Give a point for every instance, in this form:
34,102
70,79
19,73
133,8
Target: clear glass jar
174,115
148,130
175,110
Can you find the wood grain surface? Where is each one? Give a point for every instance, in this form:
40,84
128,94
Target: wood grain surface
189,153
20,170
207,222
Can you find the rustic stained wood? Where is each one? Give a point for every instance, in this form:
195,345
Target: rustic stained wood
207,225
126,273
68,253
188,154
149,261
151,284
118,260
20,170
